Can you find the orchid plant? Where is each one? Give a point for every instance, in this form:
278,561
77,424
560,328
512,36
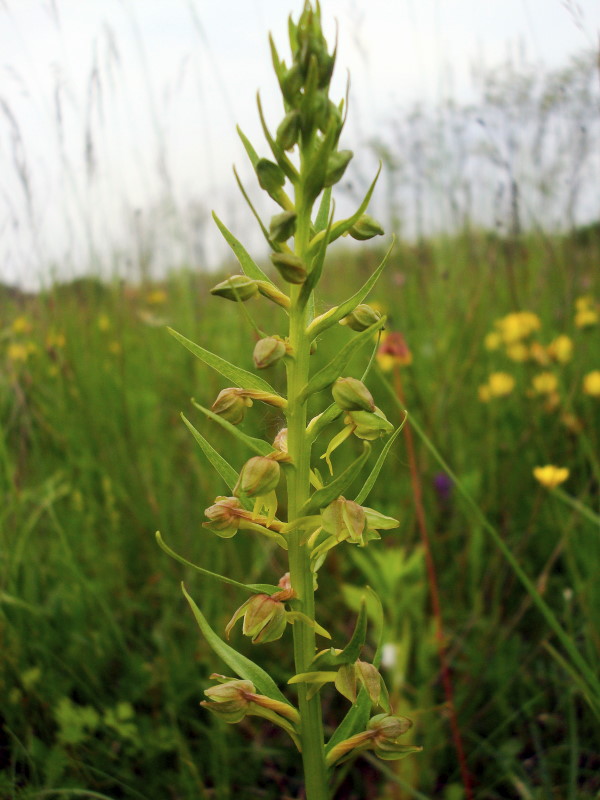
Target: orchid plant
306,161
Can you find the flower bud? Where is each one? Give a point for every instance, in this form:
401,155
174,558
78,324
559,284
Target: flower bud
336,166
270,175
259,476
231,405
237,287
290,267
361,318
229,700
388,726
289,130
224,521
292,84
365,228
283,226
369,425
350,394
268,351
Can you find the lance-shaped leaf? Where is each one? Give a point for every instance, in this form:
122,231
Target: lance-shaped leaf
256,445
223,467
322,497
242,666
255,588
332,660
337,313
323,213
247,263
255,213
280,155
332,371
355,720
317,265
374,474
344,225
240,377
320,422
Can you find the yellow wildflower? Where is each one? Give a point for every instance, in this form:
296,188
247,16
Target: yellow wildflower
561,349
584,302
544,383
492,341
517,351
500,384
591,383
517,325
104,323
586,317
21,325
115,348
393,351
17,352
157,297
551,476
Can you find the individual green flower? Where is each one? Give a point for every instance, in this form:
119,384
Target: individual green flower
381,736
346,520
258,476
350,394
233,699
231,404
369,425
264,619
361,318
268,351
366,228
283,226
290,267
237,288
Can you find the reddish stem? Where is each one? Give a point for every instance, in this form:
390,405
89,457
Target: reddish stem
435,596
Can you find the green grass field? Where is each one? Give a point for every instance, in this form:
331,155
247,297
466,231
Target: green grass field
102,667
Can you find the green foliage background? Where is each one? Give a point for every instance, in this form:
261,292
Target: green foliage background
102,666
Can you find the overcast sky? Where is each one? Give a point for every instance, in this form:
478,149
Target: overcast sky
112,105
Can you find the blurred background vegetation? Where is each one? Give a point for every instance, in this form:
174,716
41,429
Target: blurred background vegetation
102,666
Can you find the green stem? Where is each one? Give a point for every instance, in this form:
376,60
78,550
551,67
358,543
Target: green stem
311,729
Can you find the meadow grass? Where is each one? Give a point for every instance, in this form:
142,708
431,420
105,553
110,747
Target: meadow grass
101,668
